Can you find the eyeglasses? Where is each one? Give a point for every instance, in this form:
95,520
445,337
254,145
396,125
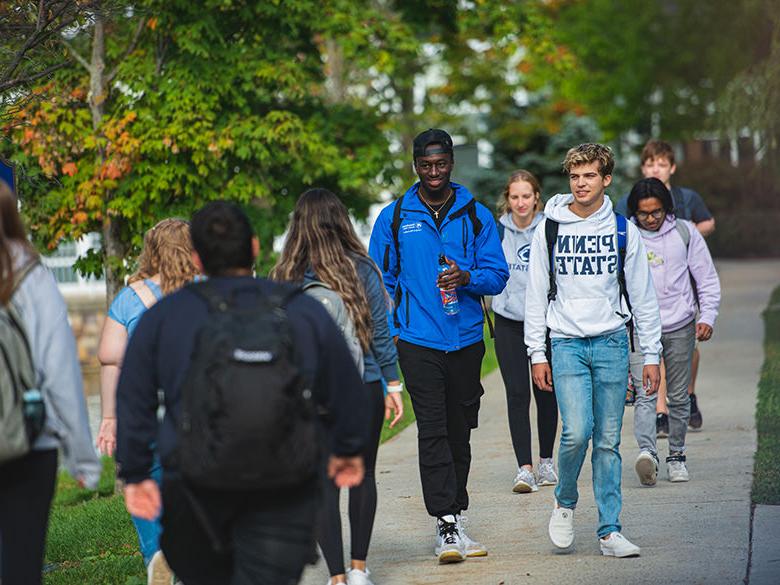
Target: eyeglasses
656,214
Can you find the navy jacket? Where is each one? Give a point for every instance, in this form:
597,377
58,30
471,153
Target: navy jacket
158,357
419,315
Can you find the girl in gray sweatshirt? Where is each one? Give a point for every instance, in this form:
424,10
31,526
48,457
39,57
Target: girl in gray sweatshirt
520,205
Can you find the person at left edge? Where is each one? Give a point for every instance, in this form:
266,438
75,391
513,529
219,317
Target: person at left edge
440,355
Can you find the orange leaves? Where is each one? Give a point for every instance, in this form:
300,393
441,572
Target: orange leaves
152,23
69,169
79,217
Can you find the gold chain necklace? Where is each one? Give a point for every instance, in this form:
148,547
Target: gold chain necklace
428,205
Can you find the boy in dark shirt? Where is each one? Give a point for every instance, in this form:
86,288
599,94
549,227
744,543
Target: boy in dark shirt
265,536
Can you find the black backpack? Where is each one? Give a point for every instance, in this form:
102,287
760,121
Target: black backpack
248,416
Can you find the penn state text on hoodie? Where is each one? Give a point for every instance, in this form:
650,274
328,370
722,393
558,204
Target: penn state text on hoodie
672,266
510,303
588,303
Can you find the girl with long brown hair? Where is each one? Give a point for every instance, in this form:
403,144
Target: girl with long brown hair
164,265
30,298
322,246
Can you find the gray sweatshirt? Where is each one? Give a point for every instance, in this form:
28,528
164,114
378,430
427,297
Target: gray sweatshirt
53,347
510,303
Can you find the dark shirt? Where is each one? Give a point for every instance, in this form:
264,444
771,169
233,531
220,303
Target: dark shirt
688,204
438,213
158,357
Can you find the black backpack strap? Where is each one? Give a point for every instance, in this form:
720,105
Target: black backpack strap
550,236
501,230
395,226
206,291
622,242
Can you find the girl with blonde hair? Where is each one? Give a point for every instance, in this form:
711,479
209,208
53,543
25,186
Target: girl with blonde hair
322,246
164,265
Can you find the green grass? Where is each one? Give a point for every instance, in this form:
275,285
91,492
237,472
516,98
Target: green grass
91,539
766,473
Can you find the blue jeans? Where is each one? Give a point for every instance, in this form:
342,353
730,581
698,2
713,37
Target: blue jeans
589,375
149,530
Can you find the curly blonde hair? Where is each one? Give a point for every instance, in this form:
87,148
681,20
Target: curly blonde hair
167,251
590,152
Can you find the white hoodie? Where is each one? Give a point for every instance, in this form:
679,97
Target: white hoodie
588,300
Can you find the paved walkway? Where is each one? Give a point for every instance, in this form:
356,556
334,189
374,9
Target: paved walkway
695,533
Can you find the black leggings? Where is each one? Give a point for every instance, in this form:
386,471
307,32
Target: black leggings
511,352
362,499
26,491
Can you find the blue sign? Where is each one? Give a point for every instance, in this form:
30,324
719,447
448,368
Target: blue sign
7,174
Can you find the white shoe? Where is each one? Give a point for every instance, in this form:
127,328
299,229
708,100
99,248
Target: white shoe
561,527
617,545
358,577
646,467
449,545
676,468
158,572
525,482
473,548
546,472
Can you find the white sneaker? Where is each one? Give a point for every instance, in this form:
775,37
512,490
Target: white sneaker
617,545
547,475
449,545
561,527
158,572
676,468
473,548
646,467
525,482
358,577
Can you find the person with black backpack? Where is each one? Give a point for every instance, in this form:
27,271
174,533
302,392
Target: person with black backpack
42,406
323,253
254,377
440,254
588,280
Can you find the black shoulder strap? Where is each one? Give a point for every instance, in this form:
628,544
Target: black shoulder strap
551,235
621,225
476,224
395,226
501,229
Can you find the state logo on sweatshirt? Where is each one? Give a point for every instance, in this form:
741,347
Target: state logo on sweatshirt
523,254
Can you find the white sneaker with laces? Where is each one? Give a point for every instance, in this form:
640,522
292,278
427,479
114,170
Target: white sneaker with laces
676,468
547,475
473,548
449,545
158,572
646,467
525,482
561,527
617,545
358,577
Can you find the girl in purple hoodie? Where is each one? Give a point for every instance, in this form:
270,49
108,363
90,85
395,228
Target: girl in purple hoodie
685,283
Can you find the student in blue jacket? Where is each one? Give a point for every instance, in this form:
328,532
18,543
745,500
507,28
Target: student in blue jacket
440,354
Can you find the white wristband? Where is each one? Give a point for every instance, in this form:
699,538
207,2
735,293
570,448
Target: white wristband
395,388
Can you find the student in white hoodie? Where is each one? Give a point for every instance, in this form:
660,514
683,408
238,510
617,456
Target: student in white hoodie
521,205
587,320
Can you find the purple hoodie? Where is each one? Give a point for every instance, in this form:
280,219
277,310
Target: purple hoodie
670,266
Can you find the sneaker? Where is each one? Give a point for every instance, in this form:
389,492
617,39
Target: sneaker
473,548
646,467
449,545
695,422
358,577
676,468
158,572
525,482
617,545
561,527
662,425
546,472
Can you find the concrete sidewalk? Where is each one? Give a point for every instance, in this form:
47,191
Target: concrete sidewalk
695,533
